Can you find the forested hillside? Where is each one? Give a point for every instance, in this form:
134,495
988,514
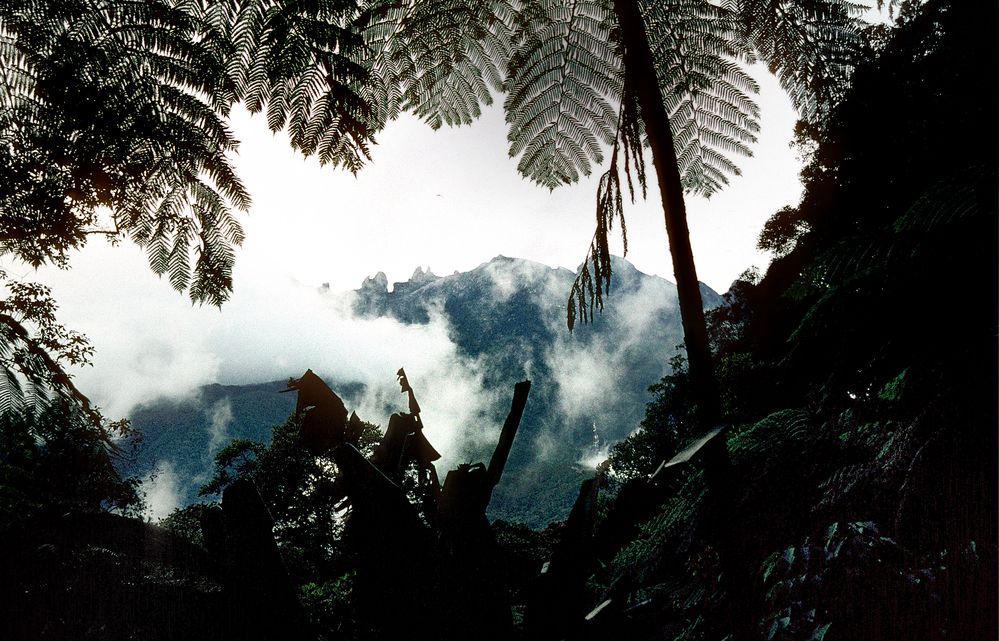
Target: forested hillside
859,377
507,317
830,476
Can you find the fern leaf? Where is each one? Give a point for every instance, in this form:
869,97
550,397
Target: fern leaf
565,74
121,101
439,59
29,376
11,393
588,290
697,48
811,46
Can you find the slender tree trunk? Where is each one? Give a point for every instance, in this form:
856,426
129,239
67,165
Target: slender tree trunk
641,74
641,77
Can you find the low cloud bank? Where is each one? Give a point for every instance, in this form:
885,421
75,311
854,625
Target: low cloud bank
151,345
154,345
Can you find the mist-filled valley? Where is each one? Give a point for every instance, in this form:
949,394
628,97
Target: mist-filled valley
512,450
486,329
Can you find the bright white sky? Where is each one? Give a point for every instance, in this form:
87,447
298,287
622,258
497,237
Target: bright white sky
449,200
452,199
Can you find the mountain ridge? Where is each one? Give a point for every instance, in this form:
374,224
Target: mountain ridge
507,316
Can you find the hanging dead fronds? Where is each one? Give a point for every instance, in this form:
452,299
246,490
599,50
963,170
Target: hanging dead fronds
594,277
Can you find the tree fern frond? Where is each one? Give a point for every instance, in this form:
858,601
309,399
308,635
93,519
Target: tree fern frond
386,57
439,59
565,74
245,30
782,428
593,281
581,296
811,46
631,138
458,50
844,481
34,391
11,393
301,63
158,249
588,289
120,102
29,376
697,48
177,260
669,532
950,200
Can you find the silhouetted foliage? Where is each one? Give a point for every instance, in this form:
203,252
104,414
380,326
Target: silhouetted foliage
853,497
103,576
114,105
523,551
299,488
301,492
54,460
860,372
34,348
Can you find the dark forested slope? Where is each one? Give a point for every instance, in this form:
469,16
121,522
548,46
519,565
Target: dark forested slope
859,496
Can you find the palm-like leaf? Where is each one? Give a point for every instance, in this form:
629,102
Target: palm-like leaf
441,60
594,277
299,62
565,80
386,58
810,45
697,49
112,104
30,376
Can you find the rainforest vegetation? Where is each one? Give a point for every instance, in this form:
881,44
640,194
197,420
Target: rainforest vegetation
825,471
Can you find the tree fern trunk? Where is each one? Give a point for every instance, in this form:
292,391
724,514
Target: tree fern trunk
641,75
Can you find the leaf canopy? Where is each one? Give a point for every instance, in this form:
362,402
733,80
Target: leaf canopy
110,105
113,113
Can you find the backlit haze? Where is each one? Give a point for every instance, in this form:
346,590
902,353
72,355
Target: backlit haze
446,200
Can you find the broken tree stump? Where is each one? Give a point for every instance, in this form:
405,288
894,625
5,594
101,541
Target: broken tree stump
323,414
262,600
395,589
557,603
477,601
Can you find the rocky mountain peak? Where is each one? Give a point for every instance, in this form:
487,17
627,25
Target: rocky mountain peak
421,277
377,283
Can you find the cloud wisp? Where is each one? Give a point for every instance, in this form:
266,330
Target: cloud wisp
220,418
275,328
158,347
162,491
